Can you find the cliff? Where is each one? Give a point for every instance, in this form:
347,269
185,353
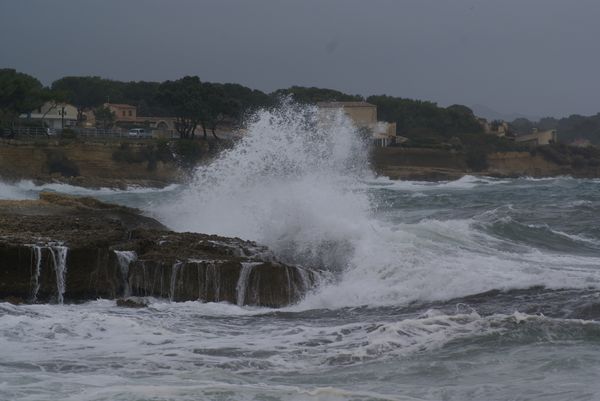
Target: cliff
418,164
438,164
61,249
82,162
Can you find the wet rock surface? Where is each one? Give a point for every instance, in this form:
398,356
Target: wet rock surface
62,248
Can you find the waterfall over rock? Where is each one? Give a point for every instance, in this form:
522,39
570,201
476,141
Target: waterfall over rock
59,258
109,251
124,258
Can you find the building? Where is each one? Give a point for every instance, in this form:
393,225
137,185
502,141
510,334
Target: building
496,127
537,138
54,115
124,113
364,116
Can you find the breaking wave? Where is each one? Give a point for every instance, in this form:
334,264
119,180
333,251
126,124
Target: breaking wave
297,184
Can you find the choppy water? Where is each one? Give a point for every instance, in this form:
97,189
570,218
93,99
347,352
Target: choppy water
476,289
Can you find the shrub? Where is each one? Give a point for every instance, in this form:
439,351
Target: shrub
68,133
127,155
189,151
58,162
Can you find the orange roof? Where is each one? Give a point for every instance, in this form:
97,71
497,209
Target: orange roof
120,105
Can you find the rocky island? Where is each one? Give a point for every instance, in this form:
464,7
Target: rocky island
67,249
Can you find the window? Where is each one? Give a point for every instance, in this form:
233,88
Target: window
123,113
129,113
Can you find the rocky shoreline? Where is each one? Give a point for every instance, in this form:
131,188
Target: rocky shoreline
68,249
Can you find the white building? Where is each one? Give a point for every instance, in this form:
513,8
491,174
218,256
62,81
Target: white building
54,115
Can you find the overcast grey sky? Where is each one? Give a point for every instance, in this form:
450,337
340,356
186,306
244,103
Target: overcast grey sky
536,57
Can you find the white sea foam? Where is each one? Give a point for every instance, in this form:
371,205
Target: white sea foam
12,191
464,183
27,189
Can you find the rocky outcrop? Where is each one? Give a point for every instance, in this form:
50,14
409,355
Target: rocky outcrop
62,248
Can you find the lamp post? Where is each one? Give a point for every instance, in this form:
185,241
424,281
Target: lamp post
62,118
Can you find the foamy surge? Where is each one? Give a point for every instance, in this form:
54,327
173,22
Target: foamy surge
298,186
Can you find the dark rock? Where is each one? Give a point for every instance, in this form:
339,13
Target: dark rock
14,300
63,247
132,303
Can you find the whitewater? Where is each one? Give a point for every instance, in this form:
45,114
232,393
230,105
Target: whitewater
474,289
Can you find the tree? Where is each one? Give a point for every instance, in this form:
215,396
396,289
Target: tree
415,117
105,117
218,107
19,93
88,92
313,95
184,100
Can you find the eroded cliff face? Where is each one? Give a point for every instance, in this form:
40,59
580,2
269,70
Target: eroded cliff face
85,163
65,249
437,164
518,164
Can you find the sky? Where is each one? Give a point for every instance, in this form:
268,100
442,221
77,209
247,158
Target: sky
531,57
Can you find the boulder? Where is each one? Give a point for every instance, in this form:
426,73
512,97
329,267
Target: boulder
66,249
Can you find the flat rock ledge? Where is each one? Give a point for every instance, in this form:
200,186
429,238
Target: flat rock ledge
70,249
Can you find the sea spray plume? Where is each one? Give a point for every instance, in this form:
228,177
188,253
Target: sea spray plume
288,183
296,183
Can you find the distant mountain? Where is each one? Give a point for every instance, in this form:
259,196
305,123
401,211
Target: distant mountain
490,114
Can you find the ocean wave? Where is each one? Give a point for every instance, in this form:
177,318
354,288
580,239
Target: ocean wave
464,183
303,190
27,189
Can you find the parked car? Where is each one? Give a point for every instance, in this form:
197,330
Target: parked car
138,133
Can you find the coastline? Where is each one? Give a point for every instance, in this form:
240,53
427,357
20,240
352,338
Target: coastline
92,164
422,164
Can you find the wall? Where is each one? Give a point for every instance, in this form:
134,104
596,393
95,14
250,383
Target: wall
362,115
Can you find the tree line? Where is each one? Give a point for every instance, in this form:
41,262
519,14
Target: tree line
195,103
569,128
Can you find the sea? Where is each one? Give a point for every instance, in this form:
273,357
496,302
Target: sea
475,289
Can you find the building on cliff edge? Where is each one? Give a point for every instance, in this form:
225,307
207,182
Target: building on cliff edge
364,117
538,138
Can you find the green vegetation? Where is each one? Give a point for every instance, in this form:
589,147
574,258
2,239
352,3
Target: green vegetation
568,129
313,95
105,118
418,119
151,154
57,162
189,152
578,158
19,93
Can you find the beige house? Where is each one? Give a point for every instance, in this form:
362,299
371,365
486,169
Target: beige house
54,115
123,112
538,138
364,115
